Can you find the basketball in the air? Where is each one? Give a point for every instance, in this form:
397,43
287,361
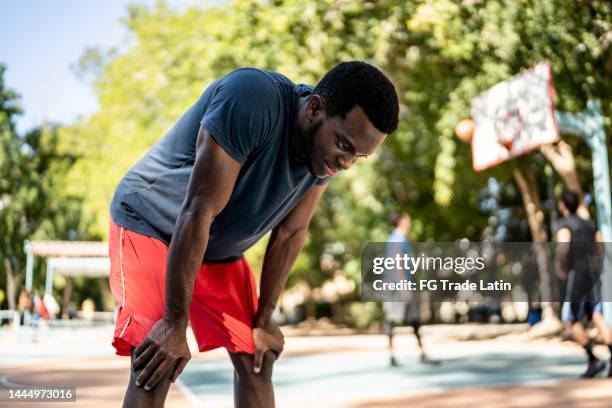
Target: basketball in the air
465,130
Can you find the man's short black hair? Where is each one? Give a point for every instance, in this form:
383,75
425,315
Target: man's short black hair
570,200
396,217
358,83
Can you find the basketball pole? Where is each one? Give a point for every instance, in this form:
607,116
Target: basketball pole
589,125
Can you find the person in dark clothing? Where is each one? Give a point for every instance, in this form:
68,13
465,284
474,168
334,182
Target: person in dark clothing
577,240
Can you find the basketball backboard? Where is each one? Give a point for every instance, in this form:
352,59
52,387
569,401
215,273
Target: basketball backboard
514,117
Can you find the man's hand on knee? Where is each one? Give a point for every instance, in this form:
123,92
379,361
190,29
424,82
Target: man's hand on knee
268,338
164,350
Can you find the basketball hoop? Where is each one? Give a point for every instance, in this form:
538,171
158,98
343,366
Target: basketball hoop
512,118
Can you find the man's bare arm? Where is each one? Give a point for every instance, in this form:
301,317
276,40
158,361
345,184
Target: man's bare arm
285,244
563,242
210,187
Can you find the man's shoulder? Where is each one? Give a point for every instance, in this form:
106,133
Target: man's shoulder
396,237
264,90
576,222
253,78
256,79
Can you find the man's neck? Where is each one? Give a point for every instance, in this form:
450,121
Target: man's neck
402,233
297,142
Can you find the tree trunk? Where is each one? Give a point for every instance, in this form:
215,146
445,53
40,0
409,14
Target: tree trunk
12,283
562,160
310,309
528,187
67,296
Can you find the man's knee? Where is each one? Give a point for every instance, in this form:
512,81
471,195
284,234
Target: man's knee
243,365
136,396
389,328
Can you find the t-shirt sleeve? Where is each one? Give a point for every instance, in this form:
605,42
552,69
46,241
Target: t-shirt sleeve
323,181
242,112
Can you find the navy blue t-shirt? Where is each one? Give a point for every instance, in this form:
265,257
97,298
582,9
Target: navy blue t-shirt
249,113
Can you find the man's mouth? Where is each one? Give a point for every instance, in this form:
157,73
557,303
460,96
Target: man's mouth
328,170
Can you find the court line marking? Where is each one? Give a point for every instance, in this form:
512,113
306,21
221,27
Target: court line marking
5,382
194,401
190,395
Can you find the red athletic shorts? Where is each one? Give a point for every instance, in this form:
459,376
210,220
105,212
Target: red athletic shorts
223,303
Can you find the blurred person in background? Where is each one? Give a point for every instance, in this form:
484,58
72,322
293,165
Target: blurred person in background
577,240
401,312
25,304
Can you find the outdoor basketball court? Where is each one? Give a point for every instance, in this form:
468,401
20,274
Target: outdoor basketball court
331,371
344,378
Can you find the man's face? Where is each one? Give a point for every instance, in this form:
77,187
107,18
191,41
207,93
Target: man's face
405,223
561,207
334,144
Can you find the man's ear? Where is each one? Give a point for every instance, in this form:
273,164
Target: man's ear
316,108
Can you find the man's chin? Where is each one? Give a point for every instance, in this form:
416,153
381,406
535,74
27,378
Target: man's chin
314,173
319,176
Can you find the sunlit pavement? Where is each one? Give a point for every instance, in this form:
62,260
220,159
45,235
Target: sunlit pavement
330,371
345,378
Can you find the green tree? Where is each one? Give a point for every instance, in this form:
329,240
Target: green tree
9,107
32,201
440,54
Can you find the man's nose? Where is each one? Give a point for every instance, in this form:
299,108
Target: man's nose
344,162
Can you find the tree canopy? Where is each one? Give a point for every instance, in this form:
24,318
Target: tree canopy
440,54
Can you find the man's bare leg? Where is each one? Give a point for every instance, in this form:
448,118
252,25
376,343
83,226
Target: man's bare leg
389,331
253,390
600,322
137,397
580,336
578,333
